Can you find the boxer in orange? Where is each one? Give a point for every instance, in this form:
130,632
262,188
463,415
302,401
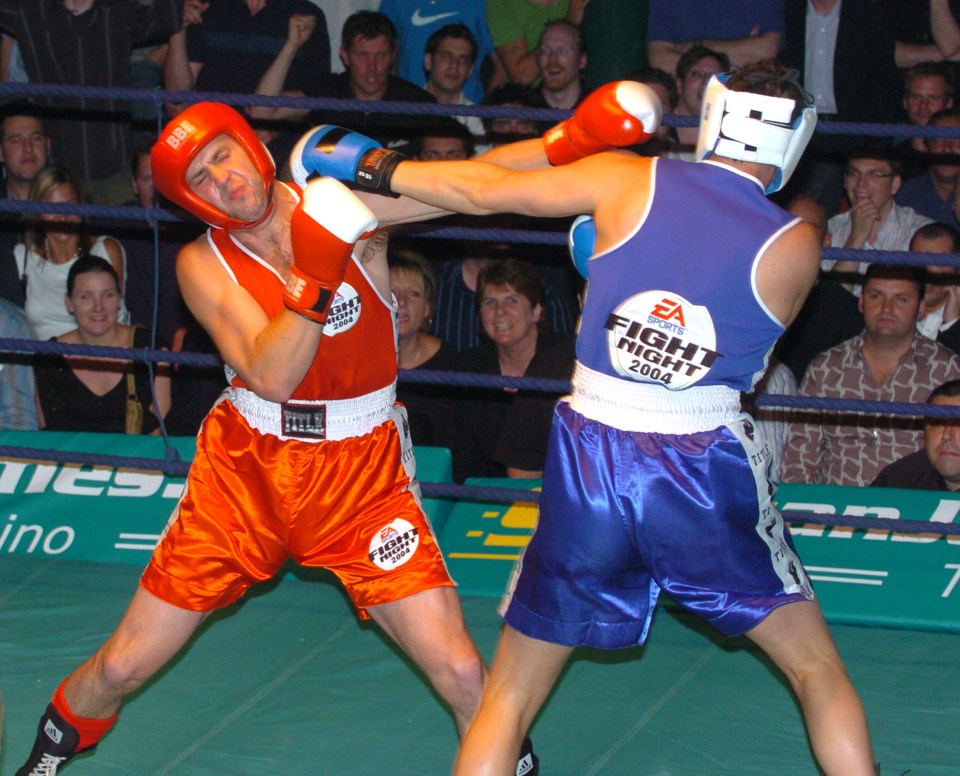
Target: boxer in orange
305,456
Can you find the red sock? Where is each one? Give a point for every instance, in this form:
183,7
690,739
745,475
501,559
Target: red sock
90,730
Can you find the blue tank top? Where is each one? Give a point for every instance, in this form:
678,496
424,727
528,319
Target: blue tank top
675,303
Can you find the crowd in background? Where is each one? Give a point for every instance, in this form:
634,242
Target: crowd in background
868,331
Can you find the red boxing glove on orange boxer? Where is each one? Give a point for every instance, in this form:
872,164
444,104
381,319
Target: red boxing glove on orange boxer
617,114
326,224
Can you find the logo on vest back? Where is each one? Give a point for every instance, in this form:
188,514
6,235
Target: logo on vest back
660,337
344,311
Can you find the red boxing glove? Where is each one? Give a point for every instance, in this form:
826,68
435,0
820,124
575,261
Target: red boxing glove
324,227
617,114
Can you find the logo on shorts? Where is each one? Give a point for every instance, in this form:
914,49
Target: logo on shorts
344,311
660,337
394,544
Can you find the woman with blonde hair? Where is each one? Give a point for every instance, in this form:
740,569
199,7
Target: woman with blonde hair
52,244
428,406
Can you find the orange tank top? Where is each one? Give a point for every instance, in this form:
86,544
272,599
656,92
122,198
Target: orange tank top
358,352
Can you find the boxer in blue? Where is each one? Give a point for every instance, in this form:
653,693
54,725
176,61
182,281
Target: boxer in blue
655,479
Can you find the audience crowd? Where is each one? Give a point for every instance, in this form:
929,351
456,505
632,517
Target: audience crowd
868,330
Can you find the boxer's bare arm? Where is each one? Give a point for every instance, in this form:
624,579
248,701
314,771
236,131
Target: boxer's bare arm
523,155
272,357
480,188
788,270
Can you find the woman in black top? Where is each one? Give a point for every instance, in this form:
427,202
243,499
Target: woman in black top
503,432
82,393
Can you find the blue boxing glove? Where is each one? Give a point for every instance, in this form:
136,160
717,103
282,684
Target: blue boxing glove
582,242
335,152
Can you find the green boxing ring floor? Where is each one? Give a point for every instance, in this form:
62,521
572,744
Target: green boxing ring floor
289,682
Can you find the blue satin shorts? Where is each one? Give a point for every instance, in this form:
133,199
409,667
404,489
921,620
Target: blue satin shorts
625,514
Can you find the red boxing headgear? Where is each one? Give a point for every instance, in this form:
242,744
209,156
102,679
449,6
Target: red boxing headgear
183,138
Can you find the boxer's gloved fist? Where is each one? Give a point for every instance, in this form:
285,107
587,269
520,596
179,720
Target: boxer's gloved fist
582,242
618,114
339,153
326,223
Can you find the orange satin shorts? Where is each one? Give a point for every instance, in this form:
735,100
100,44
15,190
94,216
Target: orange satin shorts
252,501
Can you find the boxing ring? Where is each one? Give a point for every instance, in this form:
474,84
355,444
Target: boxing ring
289,677
296,683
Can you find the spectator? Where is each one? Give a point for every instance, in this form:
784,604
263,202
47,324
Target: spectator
147,66
874,220
744,32
416,26
232,45
444,141
52,244
932,193
18,389
926,32
693,71
830,314
561,59
664,86
515,26
937,465
888,361
501,130
941,320
428,409
150,260
24,148
456,320
24,151
336,13
369,51
449,59
927,90
846,55
82,393
87,43
497,438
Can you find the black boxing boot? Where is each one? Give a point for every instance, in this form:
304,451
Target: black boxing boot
528,764
55,744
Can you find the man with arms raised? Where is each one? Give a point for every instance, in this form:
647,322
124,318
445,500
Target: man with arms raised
696,275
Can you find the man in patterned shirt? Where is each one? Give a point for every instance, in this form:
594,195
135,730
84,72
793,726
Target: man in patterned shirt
888,361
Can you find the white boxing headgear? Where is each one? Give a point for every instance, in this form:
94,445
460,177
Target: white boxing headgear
754,128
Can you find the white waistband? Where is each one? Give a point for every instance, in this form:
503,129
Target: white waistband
632,406
315,421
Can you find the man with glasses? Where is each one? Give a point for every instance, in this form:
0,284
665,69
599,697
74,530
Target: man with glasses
448,61
561,58
874,221
417,24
